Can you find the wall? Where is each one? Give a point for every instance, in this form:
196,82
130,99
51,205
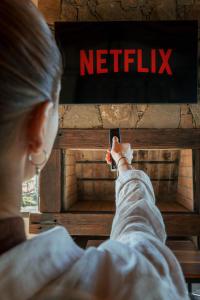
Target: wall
185,180
126,116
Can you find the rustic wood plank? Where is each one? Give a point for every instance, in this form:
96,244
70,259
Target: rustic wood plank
104,190
93,206
154,156
171,206
76,224
190,263
102,170
182,224
139,138
50,184
94,243
99,224
109,206
181,245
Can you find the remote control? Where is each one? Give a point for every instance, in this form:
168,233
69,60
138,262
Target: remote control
114,132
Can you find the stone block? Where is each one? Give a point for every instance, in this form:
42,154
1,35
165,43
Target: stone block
68,12
160,116
185,2
114,116
185,109
192,12
186,121
164,10
88,13
81,116
195,109
129,4
117,10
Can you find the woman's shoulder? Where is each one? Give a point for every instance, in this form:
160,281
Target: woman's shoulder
35,262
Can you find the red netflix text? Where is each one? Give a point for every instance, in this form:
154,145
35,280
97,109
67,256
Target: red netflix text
97,61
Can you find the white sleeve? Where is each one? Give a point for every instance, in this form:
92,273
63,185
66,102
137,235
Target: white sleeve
135,208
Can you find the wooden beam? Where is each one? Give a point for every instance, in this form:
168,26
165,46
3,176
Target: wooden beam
139,138
50,184
99,224
76,224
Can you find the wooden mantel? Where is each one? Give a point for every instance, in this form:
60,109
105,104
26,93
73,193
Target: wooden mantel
139,138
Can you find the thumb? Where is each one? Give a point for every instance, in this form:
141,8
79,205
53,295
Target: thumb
115,141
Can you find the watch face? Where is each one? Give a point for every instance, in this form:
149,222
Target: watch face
129,62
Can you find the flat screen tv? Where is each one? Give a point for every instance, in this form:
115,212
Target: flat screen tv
128,61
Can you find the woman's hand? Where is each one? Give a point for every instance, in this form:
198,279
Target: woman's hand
119,150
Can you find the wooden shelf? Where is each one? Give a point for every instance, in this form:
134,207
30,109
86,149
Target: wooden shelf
109,206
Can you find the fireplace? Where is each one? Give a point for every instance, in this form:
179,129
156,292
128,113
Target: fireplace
77,188
89,185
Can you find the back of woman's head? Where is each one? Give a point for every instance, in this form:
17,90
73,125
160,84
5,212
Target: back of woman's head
30,62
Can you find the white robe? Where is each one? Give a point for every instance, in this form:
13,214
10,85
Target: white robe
133,264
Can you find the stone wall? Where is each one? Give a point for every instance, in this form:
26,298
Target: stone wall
124,116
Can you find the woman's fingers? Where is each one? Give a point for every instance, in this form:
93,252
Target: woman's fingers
115,143
108,158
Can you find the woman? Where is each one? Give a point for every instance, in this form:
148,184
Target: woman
134,263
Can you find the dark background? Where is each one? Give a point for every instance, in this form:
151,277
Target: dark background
133,87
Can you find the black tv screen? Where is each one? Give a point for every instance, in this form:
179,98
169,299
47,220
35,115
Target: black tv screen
128,62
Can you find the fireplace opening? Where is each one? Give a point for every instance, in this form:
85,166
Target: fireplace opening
89,185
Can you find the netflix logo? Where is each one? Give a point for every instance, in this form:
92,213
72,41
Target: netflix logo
129,62
92,61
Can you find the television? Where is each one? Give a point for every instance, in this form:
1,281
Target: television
128,62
